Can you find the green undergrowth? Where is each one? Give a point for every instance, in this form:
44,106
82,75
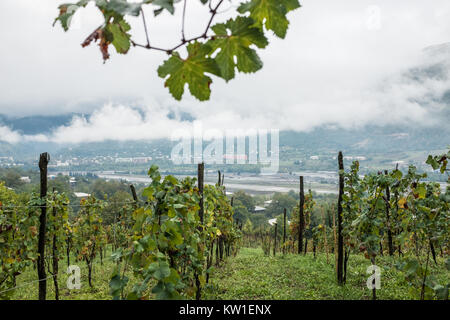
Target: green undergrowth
251,275
254,276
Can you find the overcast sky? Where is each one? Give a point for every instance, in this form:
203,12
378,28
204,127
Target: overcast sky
332,68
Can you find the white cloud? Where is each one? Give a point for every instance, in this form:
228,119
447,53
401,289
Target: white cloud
333,68
117,123
7,135
11,136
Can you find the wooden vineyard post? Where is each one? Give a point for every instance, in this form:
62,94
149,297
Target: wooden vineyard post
68,251
136,201
221,178
388,207
220,248
284,231
275,240
340,239
43,162
396,195
374,289
300,217
135,198
200,175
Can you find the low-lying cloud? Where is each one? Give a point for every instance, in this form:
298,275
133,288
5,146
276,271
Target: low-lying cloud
10,136
413,97
346,65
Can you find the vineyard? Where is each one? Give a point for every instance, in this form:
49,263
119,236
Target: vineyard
183,241
167,243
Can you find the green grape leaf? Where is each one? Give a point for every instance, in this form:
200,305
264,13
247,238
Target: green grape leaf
397,174
441,291
153,173
66,12
291,4
123,7
422,191
158,11
432,162
191,71
116,283
234,39
271,13
117,34
160,270
163,4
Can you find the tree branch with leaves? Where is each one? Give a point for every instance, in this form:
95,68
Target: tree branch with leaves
218,51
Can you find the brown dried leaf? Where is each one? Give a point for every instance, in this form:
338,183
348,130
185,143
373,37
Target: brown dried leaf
104,44
94,36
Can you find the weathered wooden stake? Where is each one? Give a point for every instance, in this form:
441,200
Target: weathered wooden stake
388,219
284,231
68,252
135,198
43,162
301,218
374,289
200,175
340,239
